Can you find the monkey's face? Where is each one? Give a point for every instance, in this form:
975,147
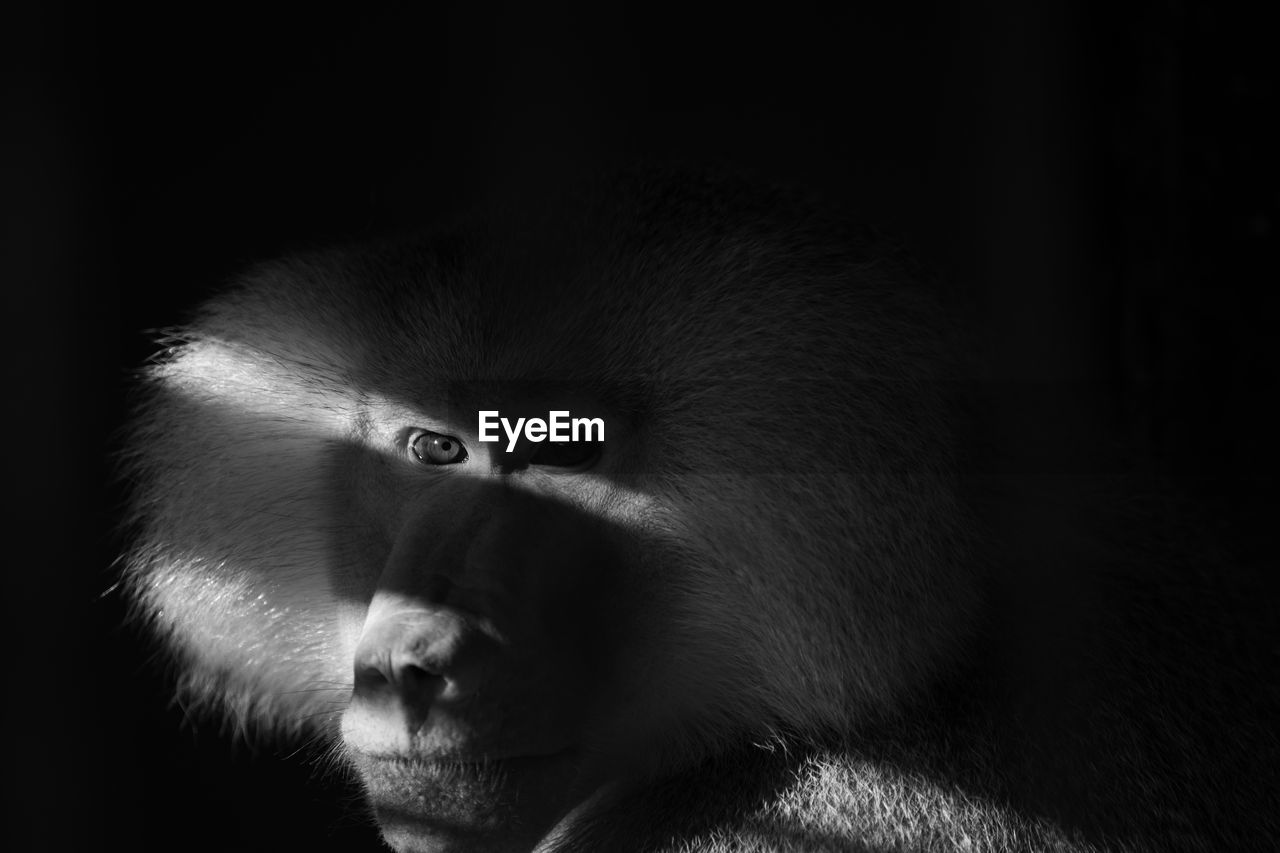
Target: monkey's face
492,626
495,632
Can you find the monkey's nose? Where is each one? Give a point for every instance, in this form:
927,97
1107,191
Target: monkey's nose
410,659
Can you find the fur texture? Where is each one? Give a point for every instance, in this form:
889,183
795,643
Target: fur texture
843,637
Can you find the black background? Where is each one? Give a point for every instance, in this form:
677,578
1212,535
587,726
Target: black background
1098,181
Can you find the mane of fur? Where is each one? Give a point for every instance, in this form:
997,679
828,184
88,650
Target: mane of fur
789,383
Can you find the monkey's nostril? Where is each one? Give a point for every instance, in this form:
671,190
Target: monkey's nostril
417,684
370,678
413,671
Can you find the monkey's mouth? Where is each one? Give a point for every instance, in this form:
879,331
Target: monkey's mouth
483,804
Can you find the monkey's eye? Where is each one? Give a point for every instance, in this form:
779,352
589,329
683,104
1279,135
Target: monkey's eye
432,448
566,454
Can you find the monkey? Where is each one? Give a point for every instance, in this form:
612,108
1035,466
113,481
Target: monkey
786,600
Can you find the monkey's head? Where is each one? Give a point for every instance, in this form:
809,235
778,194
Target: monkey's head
736,522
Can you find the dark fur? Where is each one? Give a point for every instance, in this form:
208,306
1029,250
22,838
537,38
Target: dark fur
877,643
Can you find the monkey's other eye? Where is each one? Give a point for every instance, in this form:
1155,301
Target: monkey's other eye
432,448
566,454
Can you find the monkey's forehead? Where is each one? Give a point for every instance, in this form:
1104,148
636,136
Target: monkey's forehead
653,281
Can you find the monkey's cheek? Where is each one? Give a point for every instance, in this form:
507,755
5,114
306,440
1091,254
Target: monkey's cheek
503,805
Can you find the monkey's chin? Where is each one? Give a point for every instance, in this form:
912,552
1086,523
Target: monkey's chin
505,805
